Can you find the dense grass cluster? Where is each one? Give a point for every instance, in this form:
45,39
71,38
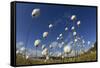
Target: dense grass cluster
89,56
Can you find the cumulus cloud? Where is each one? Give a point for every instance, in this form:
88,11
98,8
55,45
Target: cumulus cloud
19,44
28,52
60,45
32,53
56,54
54,44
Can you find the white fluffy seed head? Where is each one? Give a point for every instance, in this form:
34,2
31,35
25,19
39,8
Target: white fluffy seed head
47,57
74,33
36,12
50,25
37,42
45,34
45,52
17,51
62,43
60,35
62,57
66,28
92,46
75,40
50,46
27,57
78,23
43,46
67,49
72,28
57,38
73,17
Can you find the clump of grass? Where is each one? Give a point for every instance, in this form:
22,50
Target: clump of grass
89,56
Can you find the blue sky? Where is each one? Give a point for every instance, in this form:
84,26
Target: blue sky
28,29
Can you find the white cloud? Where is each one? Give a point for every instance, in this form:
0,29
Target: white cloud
19,44
72,53
60,45
27,51
54,44
32,53
88,42
56,54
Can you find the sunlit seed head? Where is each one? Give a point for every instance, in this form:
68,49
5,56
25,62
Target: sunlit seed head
45,52
66,28
43,46
45,34
72,28
62,57
75,40
37,42
50,46
50,25
47,57
62,43
57,38
67,49
78,23
27,57
74,33
17,51
60,35
61,38
92,46
73,17
36,12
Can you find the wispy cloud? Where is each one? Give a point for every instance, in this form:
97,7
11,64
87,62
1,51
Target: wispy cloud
27,51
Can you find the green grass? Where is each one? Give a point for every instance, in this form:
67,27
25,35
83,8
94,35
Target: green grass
90,56
84,57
